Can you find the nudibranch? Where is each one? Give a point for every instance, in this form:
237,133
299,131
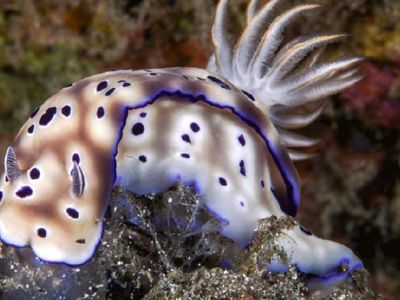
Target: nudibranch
224,129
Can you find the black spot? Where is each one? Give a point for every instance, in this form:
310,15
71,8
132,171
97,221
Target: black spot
199,78
68,85
34,113
121,81
110,91
142,158
47,116
184,76
195,127
242,168
137,129
73,213
153,74
66,110
248,95
143,115
1,196
100,112
34,174
76,158
241,140
241,203
101,86
42,232
186,138
306,231
219,82
126,84
81,241
24,192
7,180
222,181
262,183
31,129
185,155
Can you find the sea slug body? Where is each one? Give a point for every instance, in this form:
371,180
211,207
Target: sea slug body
224,129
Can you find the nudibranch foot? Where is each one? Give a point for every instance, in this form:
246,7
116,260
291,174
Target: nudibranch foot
315,256
325,262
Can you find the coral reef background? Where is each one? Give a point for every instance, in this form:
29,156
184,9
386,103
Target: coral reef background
351,190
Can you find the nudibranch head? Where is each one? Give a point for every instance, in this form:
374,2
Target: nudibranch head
49,216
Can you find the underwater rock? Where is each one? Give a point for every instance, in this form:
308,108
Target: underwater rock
218,283
163,247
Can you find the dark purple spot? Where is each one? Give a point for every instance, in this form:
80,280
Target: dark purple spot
153,74
7,180
100,112
137,129
126,84
66,110
262,183
24,192
101,86
1,196
73,213
222,181
34,113
31,129
219,82
242,168
81,241
143,115
47,116
195,127
42,232
142,158
241,203
121,81
248,95
110,91
306,231
199,78
241,140
184,76
76,158
186,138
34,174
185,155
